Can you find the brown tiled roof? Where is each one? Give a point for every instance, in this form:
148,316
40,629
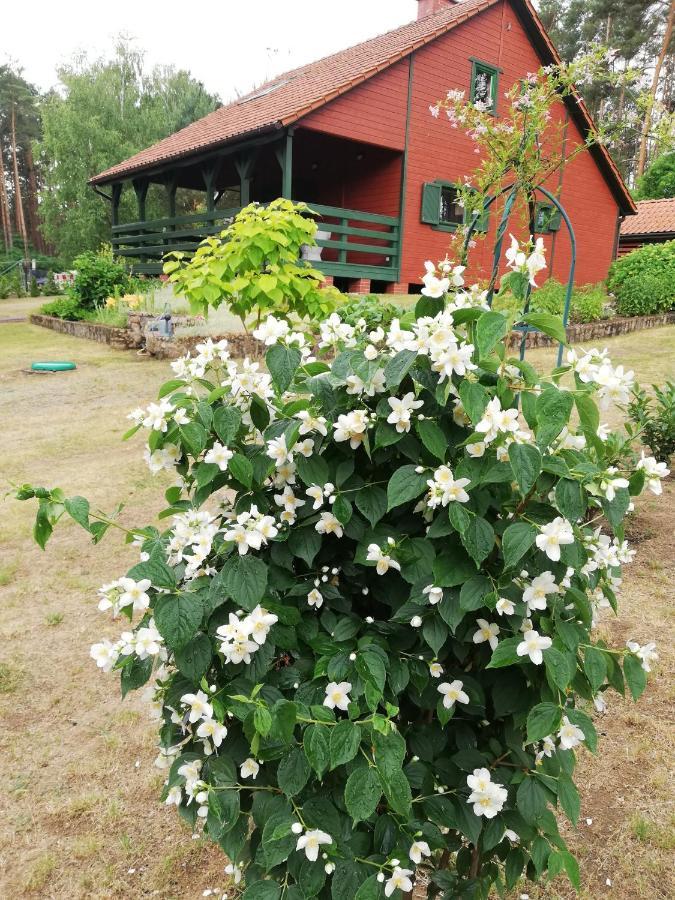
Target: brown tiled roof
653,217
292,95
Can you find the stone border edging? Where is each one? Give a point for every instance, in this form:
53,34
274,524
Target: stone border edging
241,345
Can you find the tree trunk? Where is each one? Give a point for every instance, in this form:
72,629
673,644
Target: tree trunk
4,206
646,127
18,200
33,214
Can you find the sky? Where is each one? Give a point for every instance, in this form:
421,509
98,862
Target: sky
229,45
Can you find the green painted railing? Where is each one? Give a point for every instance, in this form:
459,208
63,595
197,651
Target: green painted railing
354,244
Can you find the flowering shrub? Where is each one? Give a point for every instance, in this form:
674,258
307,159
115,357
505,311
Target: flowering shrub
367,630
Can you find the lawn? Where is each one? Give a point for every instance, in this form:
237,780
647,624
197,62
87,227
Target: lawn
78,788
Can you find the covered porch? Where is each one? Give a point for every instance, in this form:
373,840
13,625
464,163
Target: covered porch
353,189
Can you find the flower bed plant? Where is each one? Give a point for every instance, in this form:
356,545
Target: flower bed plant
368,626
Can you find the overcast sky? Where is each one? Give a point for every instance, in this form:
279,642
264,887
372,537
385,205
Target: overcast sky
230,45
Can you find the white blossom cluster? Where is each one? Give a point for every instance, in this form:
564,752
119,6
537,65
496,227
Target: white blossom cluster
144,642
529,264
191,540
487,797
243,636
595,367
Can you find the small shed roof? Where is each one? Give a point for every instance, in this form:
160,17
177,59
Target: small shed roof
653,217
285,99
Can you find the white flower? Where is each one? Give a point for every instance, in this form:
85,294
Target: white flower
535,595
487,631
505,607
157,415
219,455
383,560
337,695
288,500
306,447
258,624
329,524
352,427
234,872
315,598
309,423
570,735
654,472
532,646
311,841
278,451
453,693
488,798
444,488
416,622
271,331
401,411
476,449
134,593
418,850
553,535
434,594
646,654
434,287
497,420
249,769
400,878
435,670
210,728
200,708
105,654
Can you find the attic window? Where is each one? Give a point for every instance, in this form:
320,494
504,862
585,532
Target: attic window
484,85
263,92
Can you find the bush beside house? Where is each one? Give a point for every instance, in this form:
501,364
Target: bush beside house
644,281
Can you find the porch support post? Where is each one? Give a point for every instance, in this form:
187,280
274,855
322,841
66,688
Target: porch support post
170,187
116,196
209,175
141,186
284,154
244,166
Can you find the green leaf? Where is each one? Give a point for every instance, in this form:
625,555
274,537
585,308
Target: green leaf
156,569
244,579
226,422
553,412
194,437
458,516
405,485
589,414
293,772
370,664
371,502
581,720
616,508
282,363
473,592
435,632
262,890
478,539
635,675
362,793
595,667
542,720
135,674
548,324
474,399
285,716
78,509
398,367
452,567
315,742
305,543
432,437
505,654
371,889
526,464
312,469
397,790
262,720
240,468
557,667
568,795
490,328
194,658
516,541
342,509
570,499
531,799
344,743
178,617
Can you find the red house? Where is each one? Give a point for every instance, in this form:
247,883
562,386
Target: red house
352,135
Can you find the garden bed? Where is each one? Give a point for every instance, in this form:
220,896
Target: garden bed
128,338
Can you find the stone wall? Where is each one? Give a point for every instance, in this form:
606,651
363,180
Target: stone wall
241,345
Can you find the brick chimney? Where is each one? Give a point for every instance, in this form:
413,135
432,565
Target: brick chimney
429,7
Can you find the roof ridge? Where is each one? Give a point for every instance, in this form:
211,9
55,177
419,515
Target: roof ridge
657,200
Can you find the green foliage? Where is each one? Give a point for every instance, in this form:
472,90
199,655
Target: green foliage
372,309
104,111
51,288
64,308
254,266
34,289
643,281
587,305
655,417
99,276
658,182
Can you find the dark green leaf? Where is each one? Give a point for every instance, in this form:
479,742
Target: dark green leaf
526,464
315,742
490,328
505,654
595,667
193,436
282,363
570,499
548,324
244,578
240,468
553,413
516,541
344,743
398,367
542,720
478,539
178,617
405,485
371,501
226,422
293,772
362,793
531,799
194,658
474,399
432,437
78,509
635,675
568,795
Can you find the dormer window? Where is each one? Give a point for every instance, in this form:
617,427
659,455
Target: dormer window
484,85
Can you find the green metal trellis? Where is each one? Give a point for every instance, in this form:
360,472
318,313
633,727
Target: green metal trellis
524,328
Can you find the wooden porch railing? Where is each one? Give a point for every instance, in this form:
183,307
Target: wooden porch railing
358,245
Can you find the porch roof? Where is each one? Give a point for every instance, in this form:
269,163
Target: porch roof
654,217
288,97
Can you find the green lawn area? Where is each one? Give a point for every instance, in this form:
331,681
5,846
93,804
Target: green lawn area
78,788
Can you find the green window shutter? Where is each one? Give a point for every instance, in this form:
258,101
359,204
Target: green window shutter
541,217
554,219
431,203
483,221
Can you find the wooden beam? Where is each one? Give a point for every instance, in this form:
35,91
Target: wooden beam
244,164
209,175
284,155
117,189
141,186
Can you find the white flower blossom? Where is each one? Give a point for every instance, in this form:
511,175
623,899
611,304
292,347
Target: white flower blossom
452,693
337,695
